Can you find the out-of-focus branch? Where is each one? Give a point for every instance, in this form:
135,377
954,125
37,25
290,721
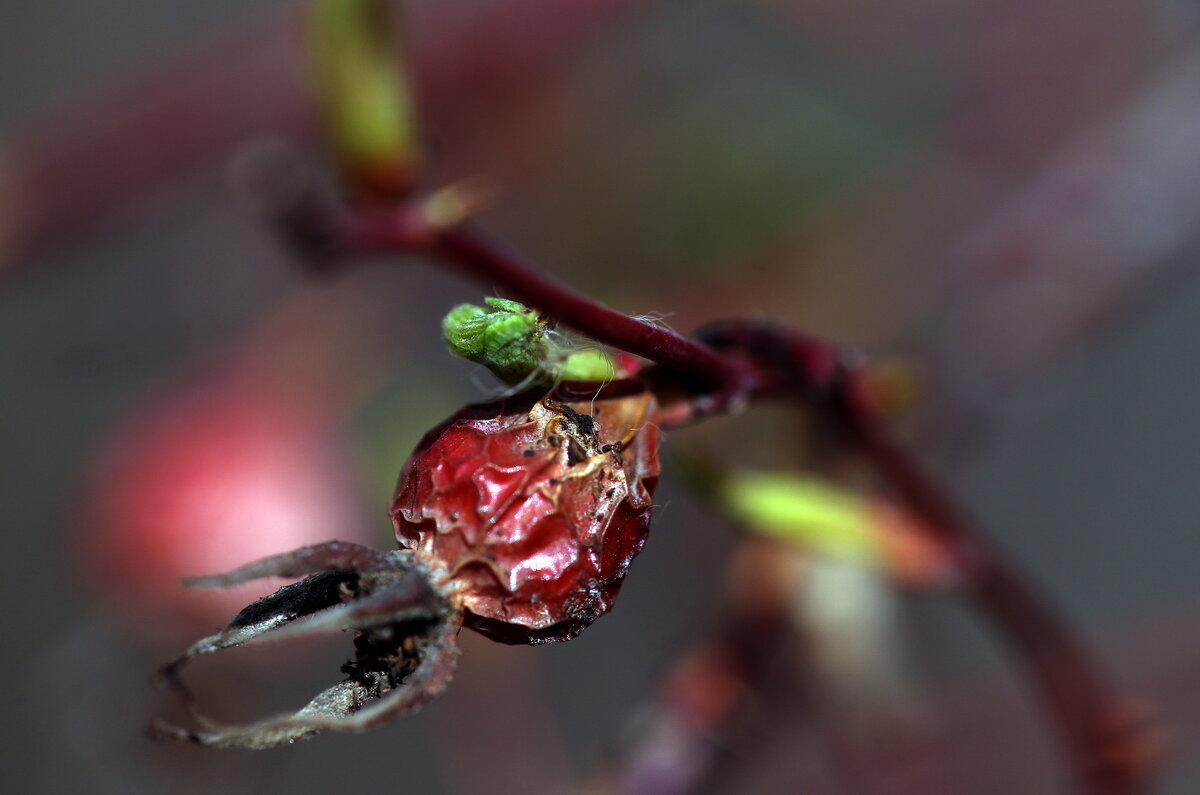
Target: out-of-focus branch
69,175
1107,740
364,95
1072,250
689,739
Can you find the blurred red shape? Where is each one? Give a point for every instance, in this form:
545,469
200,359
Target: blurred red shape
202,480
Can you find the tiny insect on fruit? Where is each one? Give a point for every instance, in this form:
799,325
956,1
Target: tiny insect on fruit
518,518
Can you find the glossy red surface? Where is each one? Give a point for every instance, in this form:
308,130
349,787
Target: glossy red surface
535,513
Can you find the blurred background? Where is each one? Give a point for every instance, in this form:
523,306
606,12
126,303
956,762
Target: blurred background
1004,194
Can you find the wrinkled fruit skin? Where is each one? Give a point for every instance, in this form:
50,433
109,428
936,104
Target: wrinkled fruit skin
535,511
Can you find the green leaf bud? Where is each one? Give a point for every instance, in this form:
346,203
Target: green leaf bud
517,344
824,518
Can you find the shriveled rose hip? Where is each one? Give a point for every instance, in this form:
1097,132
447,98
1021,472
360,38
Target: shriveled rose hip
535,512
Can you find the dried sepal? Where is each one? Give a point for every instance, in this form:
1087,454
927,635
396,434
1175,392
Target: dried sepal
405,641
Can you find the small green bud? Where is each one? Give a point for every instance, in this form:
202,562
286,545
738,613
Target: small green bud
505,341
515,343
363,91
589,364
826,519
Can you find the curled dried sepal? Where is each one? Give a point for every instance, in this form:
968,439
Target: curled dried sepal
405,641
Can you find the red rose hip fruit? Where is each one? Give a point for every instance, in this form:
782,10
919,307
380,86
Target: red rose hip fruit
535,512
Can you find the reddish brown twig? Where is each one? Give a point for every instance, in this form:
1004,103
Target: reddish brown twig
485,261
